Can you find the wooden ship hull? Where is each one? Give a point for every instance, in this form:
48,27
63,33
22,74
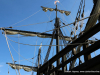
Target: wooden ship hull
90,64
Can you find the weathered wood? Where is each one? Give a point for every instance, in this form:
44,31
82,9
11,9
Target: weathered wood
86,56
81,39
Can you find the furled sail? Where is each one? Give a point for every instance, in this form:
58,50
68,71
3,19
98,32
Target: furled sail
28,33
26,68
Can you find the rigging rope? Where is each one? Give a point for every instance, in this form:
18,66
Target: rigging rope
47,26
29,24
19,48
21,55
19,52
10,52
78,17
27,59
34,55
48,45
19,72
70,14
83,43
62,37
30,15
62,15
46,58
26,18
67,24
47,55
35,48
49,18
72,23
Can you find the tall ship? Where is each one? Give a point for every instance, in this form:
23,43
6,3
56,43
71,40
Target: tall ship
61,45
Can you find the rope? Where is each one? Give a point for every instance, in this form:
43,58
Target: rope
27,59
29,24
62,15
63,18
35,51
45,29
19,48
71,9
42,54
47,25
70,14
73,4
48,52
68,24
20,55
10,52
49,18
19,72
71,23
26,18
78,16
62,37
64,31
47,45
65,26
30,15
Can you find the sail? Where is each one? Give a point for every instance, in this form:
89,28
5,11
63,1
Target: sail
26,68
28,33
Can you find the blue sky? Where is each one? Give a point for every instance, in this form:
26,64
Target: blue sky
23,12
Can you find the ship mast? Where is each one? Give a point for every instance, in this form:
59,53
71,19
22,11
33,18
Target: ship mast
57,28
86,50
57,35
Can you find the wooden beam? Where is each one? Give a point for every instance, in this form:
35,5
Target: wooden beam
81,39
86,56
